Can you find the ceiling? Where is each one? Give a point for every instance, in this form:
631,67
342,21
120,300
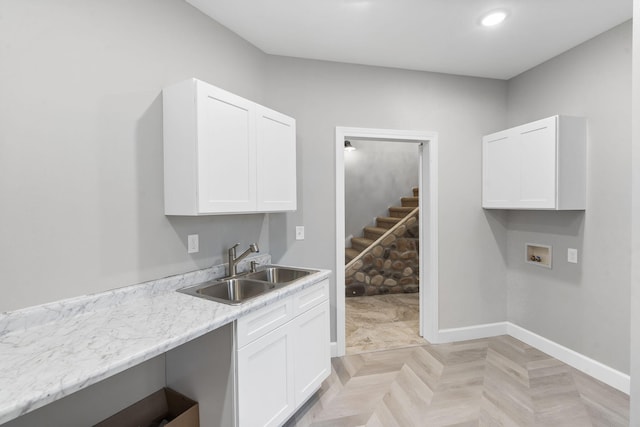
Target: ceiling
431,35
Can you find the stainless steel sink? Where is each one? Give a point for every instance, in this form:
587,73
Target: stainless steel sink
236,290
279,274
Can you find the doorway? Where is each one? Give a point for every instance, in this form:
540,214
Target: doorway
428,299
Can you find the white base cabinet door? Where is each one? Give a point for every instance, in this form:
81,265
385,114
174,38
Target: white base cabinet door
311,351
265,380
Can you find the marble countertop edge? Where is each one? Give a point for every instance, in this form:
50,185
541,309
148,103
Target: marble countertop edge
199,316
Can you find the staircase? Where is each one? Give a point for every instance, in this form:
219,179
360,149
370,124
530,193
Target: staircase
383,224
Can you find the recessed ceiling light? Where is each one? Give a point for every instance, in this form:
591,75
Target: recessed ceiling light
493,18
357,3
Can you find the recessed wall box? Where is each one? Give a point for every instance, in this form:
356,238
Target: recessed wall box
539,255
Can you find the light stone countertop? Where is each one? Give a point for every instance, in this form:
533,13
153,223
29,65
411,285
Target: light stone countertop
50,351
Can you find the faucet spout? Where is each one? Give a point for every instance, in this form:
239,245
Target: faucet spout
234,260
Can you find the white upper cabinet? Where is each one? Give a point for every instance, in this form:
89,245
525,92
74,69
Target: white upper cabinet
224,154
539,165
276,144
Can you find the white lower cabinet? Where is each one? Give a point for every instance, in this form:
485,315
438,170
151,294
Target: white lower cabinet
259,370
279,370
265,379
311,355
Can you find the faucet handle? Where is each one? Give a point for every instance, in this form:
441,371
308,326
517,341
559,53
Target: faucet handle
235,246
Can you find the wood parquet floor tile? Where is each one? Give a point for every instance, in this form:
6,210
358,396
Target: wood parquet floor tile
497,381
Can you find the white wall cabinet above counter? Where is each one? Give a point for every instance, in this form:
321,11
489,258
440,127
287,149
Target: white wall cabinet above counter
539,165
224,154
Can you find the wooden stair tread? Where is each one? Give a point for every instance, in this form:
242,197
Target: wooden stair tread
374,232
409,201
400,211
351,253
387,221
360,243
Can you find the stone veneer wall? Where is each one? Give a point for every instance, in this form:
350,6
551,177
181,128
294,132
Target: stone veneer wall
391,266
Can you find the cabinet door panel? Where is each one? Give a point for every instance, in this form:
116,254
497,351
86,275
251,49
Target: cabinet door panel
538,164
311,351
500,170
226,151
265,380
276,165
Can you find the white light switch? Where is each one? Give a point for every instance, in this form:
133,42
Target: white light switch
193,245
300,232
572,255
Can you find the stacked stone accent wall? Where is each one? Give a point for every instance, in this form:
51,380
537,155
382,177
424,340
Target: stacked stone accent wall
388,266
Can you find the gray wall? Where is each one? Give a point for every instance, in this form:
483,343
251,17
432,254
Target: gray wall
583,306
323,95
81,151
376,176
635,224
81,143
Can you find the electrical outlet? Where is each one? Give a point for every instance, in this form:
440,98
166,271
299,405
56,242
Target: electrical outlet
300,232
572,255
193,245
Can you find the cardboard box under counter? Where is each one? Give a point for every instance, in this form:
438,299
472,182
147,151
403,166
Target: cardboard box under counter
167,404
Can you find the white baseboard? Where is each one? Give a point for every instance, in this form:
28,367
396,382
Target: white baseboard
334,349
600,371
472,332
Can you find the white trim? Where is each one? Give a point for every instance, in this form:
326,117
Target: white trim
591,367
333,348
429,299
428,224
599,371
472,332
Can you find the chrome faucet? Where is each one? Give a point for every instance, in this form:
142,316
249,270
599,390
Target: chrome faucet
233,260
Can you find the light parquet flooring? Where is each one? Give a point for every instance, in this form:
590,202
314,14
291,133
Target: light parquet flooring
497,381
382,322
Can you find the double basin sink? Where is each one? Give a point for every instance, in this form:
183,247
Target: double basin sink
238,289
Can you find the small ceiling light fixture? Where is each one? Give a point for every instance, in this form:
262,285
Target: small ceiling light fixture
348,146
494,18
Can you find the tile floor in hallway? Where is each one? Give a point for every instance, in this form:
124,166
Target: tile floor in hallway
381,322
496,381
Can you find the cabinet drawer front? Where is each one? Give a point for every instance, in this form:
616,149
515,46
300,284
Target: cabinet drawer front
264,320
311,297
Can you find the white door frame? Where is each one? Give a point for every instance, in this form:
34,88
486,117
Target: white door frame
428,225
